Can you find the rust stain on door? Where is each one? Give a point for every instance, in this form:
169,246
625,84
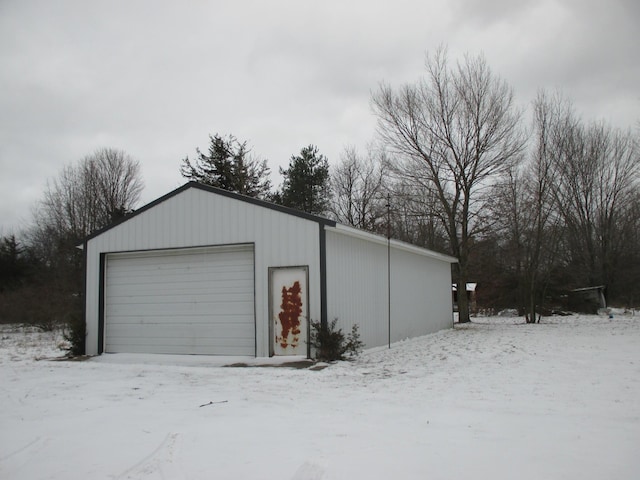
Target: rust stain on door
289,316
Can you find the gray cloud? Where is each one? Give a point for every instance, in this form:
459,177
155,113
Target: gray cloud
155,79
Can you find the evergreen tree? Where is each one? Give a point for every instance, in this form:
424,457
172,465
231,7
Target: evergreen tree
229,165
13,265
306,183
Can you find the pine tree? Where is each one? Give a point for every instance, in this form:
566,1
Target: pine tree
13,265
229,165
306,184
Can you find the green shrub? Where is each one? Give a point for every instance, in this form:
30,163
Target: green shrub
354,345
75,332
330,343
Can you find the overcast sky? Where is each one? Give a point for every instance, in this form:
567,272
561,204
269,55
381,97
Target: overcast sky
155,78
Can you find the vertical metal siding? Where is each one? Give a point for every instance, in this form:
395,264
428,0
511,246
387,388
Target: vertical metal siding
357,289
195,217
420,295
357,286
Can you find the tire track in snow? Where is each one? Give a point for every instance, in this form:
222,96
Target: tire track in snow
12,463
21,449
308,471
160,463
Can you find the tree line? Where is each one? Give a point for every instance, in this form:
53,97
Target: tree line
530,207
41,273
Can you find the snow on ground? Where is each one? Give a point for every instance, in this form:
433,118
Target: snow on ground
495,399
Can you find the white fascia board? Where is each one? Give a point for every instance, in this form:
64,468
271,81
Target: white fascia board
371,237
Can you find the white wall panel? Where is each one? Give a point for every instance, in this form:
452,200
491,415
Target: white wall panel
421,299
358,287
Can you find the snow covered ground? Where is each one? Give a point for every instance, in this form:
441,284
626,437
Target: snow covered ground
495,399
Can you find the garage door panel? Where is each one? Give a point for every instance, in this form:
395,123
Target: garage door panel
229,350
150,264
129,344
193,270
214,299
198,301
179,319
199,288
147,310
187,277
143,332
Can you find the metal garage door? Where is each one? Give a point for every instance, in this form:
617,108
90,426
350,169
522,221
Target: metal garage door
188,301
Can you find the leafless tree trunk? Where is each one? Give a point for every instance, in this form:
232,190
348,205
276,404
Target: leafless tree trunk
525,208
453,132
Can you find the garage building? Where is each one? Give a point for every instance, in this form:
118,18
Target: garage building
207,271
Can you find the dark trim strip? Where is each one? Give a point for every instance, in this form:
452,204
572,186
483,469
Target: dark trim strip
211,246
255,309
270,311
101,287
84,293
323,276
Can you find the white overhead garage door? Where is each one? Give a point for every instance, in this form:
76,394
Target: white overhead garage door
187,301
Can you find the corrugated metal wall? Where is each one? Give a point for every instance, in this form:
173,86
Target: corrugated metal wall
421,300
195,217
358,287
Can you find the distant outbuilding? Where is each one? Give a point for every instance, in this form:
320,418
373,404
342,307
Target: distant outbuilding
587,299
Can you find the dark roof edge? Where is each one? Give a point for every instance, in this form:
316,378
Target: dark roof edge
263,203
219,191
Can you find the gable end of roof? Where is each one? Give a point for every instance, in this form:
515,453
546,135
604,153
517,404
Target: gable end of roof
217,191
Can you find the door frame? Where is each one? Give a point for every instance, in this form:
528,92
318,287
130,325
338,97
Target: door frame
271,271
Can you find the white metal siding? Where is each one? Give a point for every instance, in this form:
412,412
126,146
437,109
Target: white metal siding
421,300
358,288
195,217
188,301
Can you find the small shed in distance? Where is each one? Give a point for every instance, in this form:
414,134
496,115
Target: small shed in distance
587,299
471,295
206,271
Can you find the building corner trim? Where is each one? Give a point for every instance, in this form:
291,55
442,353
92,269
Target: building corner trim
323,275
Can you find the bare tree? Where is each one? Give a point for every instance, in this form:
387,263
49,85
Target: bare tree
525,209
359,189
117,181
453,132
628,269
101,188
596,180
416,216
